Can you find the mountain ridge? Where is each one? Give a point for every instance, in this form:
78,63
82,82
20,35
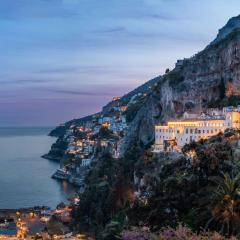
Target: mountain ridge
210,75
229,30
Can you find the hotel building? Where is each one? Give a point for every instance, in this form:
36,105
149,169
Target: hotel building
177,133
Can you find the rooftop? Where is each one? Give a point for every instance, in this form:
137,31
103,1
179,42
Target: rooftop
197,119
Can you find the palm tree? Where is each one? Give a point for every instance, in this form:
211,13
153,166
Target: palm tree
226,205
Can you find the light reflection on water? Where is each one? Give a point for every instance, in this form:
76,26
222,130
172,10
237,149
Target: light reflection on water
25,178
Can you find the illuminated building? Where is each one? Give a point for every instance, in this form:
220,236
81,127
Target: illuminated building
176,133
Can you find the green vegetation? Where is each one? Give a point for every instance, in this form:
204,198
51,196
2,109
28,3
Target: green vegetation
224,102
189,105
107,192
174,78
185,190
133,108
201,191
104,132
226,205
228,38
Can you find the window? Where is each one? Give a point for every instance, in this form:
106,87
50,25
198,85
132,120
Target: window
186,130
199,131
207,131
191,131
211,131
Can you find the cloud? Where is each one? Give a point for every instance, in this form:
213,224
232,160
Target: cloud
59,70
111,30
25,81
98,69
80,93
162,16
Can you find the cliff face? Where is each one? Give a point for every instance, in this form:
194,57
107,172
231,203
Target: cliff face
210,75
231,25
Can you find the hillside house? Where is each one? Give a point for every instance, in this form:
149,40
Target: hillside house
176,133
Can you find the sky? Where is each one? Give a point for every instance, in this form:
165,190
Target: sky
64,59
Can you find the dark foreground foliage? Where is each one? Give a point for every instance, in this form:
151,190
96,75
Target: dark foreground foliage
199,188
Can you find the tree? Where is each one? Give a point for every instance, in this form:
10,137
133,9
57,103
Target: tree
167,70
226,205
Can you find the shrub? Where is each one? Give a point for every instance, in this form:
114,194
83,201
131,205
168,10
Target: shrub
174,78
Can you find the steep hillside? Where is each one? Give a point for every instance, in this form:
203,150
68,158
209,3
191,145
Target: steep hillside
144,88
231,25
213,74
141,188
61,130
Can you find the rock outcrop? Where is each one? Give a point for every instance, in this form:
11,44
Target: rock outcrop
210,75
231,25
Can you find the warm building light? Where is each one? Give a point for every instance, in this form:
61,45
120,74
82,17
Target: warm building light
188,130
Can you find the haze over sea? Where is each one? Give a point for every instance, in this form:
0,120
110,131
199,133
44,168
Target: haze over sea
25,178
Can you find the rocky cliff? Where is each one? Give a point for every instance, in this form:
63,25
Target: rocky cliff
231,25
212,74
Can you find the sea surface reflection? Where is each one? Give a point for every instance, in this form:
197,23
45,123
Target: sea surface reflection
25,178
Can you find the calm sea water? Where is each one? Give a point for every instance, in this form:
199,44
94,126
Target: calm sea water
25,178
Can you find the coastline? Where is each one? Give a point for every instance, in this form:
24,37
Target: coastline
48,156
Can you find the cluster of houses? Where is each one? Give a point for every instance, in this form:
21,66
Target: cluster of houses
193,127
84,140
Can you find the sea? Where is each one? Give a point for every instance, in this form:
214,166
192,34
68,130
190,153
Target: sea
25,177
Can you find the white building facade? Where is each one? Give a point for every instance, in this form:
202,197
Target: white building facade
177,133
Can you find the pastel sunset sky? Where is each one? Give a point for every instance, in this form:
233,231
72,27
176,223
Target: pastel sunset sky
63,59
